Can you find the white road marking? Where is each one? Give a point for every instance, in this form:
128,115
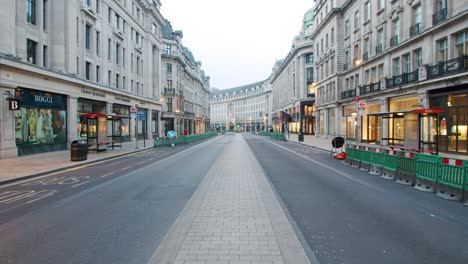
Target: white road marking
122,169
76,185
105,175
140,163
13,196
52,192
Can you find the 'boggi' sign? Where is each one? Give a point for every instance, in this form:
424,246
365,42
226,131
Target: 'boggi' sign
43,99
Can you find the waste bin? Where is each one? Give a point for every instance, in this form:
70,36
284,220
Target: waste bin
301,137
79,150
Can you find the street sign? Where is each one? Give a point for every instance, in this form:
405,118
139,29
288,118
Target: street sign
171,134
14,104
141,115
362,104
133,109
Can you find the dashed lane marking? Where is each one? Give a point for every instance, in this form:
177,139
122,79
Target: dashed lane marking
76,185
105,175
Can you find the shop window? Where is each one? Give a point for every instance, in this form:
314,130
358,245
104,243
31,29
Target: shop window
331,121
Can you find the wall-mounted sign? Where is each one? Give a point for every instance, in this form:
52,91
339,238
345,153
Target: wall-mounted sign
14,104
41,99
93,93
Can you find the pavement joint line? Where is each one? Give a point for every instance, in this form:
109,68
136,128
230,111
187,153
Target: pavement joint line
347,176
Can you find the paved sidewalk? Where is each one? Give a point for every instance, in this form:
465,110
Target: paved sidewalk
313,141
39,164
233,218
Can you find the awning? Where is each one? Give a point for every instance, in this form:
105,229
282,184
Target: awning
94,115
391,114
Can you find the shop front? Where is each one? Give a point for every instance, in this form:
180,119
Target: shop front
350,121
371,124
453,123
40,123
142,127
88,112
308,117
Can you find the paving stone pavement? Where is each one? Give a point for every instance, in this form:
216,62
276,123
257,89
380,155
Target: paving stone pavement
233,218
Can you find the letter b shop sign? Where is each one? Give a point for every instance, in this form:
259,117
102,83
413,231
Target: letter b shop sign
14,104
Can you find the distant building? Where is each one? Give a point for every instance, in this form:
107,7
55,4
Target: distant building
243,108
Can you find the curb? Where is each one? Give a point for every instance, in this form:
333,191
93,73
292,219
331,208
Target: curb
301,143
22,178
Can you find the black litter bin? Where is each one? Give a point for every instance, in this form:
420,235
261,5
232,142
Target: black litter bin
300,137
79,150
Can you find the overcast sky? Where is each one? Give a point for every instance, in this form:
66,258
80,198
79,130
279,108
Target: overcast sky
237,41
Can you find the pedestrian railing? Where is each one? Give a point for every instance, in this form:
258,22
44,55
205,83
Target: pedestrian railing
446,177
182,139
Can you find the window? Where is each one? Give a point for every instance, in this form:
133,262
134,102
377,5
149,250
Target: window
309,58
98,42
357,52
321,45
31,11
417,58
356,81
44,14
109,49
117,55
346,28
461,44
131,62
380,4
98,73
109,77
124,85
326,41
167,50
332,65
366,49
443,50
123,57
406,60
169,84
44,56
169,104
396,28
367,11
417,14
168,67
380,40
138,65
380,71
357,20
88,37
31,49
109,15
332,36
117,22
366,77
88,70
373,75
117,80
97,5
88,3
131,86
396,66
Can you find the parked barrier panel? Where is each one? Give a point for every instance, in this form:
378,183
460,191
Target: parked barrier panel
366,153
390,164
451,179
427,169
406,168
377,160
356,159
349,154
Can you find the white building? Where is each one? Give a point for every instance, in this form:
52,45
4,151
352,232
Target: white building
77,68
186,87
243,108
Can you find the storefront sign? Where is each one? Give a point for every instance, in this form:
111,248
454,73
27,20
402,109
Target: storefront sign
122,99
93,93
14,104
141,115
39,99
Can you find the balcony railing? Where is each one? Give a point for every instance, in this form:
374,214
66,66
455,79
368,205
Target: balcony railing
415,30
369,88
449,67
402,79
169,90
365,56
439,16
394,41
348,94
379,49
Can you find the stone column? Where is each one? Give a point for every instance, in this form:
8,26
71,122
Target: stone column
58,34
133,127
7,126
72,119
385,124
149,124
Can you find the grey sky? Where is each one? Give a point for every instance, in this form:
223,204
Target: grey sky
237,41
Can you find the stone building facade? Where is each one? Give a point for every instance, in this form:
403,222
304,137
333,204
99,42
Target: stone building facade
243,108
77,70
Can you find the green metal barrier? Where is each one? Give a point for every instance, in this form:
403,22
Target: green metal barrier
356,158
349,153
377,160
427,169
278,136
390,164
406,168
366,153
451,180
182,139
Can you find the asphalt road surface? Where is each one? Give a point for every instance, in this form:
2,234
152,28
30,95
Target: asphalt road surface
115,211
350,216
118,211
